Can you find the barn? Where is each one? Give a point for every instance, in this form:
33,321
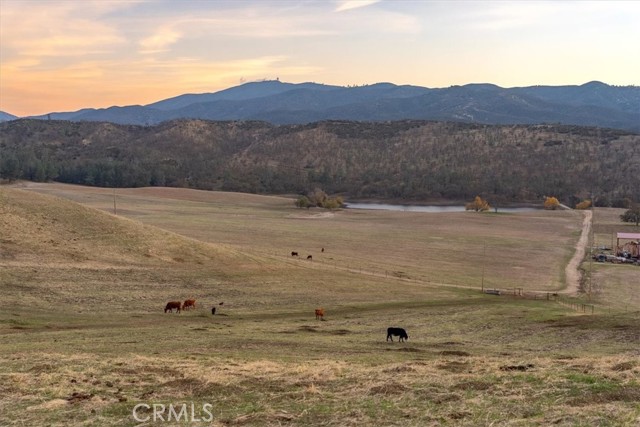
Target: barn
628,245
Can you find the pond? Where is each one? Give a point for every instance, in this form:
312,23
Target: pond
431,209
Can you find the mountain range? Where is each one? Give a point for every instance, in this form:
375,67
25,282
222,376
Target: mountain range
591,104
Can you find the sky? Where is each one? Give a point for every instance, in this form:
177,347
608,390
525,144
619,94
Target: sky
66,55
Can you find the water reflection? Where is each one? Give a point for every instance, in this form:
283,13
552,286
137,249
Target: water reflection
432,209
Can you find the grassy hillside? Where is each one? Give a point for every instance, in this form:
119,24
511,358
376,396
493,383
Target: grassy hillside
84,338
526,251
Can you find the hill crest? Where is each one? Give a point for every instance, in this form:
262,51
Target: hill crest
47,229
591,104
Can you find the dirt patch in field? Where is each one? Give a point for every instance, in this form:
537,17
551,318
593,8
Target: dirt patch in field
622,394
521,368
447,343
387,389
79,397
49,405
472,385
273,418
454,353
624,366
265,385
398,369
185,387
164,372
320,215
410,349
308,328
455,366
438,397
458,415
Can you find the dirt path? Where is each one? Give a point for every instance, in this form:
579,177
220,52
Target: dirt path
571,271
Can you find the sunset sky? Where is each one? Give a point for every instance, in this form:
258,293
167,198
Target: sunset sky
67,55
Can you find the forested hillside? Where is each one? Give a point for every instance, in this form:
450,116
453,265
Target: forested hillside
410,160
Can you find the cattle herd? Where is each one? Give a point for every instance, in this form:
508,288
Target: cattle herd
191,304
177,305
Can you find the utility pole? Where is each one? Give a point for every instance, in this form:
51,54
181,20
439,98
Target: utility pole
592,233
484,250
590,267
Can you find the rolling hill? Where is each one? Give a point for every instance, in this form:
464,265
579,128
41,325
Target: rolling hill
590,104
53,230
85,339
407,160
4,117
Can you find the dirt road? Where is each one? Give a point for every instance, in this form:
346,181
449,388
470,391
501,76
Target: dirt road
571,271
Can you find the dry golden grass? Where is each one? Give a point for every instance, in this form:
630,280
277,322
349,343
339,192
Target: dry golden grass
614,286
525,250
84,338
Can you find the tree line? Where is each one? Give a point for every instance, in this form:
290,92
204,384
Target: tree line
408,160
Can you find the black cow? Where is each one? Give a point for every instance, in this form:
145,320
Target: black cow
171,305
399,332
309,257
294,253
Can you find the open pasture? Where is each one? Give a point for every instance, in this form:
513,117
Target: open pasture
614,286
85,339
524,250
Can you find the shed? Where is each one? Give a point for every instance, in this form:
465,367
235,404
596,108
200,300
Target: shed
630,246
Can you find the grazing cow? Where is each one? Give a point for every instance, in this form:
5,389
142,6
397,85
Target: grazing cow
320,313
309,257
213,311
171,305
294,253
190,303
399,332
322,250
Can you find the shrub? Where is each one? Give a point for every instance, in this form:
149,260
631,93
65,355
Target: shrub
585,204
478,205
551,203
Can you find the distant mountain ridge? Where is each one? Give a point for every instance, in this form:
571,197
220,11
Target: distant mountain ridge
590,104
5,117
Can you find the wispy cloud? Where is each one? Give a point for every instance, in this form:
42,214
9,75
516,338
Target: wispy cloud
160,40
65,29
354,4
195,75
68,54
145,80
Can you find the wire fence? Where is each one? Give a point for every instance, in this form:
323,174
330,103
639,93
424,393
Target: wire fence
575,303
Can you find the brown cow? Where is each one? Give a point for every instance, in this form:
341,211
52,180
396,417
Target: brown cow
190,303
320,313
171,305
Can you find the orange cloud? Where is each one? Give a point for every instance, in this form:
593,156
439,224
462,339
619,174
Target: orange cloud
100,84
